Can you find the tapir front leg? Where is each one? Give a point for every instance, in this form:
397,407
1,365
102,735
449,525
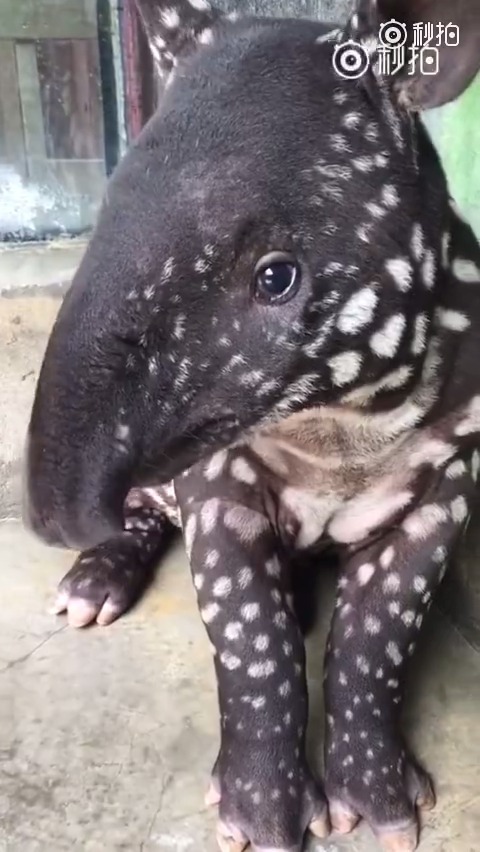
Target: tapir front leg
261,780
385,590
107,580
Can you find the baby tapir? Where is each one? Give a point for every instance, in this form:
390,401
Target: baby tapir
273,341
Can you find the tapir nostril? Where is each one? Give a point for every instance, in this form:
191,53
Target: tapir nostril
66,509
75,527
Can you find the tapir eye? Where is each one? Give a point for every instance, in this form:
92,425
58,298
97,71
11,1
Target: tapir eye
277,277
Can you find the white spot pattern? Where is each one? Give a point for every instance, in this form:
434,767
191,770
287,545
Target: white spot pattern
385,342
451,319
242,471
345,367
466,271
401,271
170,18
365,573
358,311
222,587
262,669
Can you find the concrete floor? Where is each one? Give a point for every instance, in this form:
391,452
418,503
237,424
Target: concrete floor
107,735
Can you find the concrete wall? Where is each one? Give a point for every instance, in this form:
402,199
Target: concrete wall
32,282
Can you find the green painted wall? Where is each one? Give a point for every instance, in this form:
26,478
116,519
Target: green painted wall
455,129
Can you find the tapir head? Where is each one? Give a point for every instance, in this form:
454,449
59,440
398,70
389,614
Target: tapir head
269,243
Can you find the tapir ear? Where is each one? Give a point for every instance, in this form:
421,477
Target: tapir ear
441,51
176,27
